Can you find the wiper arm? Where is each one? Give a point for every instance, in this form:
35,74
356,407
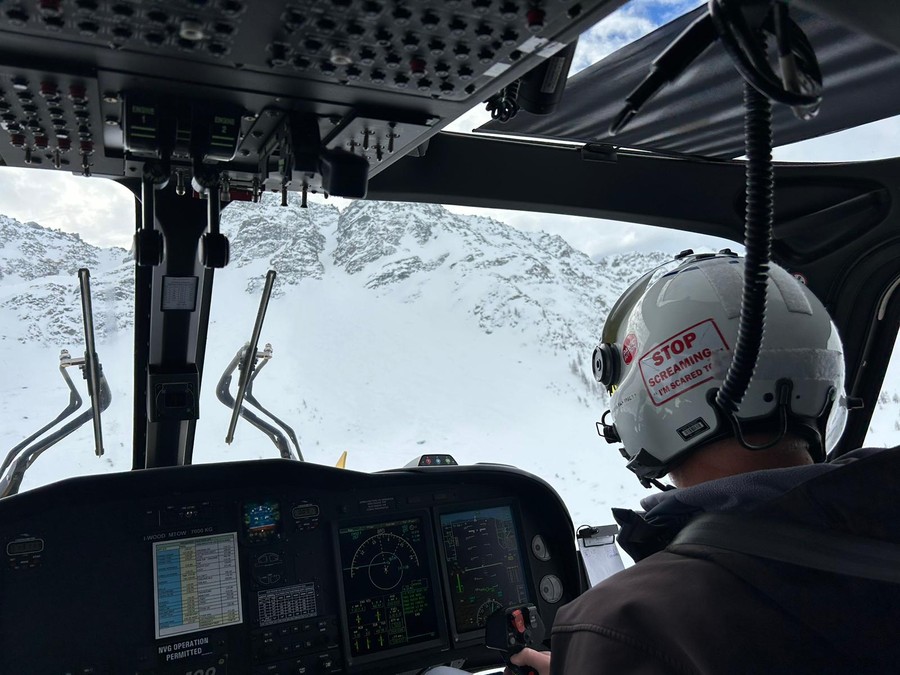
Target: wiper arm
75,400
18,465
249,360
21,457
266,357
278,436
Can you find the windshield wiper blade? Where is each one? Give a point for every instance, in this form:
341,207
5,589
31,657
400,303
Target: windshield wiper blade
249,359
278,436
91,362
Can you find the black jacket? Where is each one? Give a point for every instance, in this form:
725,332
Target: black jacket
703,610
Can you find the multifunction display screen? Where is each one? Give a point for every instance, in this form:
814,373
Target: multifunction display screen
484,566
196,584
387,586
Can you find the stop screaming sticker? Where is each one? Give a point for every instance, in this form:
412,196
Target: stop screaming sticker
682,362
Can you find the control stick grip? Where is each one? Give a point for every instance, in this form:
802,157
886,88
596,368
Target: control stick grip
511,630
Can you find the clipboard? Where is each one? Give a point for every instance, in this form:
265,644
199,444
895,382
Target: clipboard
597,545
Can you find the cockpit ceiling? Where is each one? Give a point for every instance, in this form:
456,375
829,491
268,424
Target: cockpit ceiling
702,112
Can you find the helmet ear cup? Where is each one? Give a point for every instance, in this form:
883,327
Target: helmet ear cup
605,363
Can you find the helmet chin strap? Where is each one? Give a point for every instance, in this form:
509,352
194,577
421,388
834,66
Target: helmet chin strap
659,486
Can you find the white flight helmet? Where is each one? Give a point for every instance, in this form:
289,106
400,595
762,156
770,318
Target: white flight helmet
667,345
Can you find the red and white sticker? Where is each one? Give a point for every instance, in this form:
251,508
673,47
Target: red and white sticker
629,348
682,362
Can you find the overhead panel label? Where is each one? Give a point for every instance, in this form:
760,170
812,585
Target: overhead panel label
682,362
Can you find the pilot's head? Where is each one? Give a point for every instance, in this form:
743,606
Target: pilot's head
667,345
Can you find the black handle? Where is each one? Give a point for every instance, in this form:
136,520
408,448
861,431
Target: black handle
518,670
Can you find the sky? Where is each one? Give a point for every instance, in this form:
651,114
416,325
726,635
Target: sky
102,212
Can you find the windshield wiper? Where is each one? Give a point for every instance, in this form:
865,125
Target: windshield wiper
249,360
246,361
23,455
280,432
91,362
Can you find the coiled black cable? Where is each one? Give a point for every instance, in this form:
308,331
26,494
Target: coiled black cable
760,204
504,105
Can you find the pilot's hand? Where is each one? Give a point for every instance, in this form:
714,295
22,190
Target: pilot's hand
540,661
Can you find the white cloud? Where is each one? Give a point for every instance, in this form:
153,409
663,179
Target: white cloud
877,140
599,237
627,24
614,32
100,210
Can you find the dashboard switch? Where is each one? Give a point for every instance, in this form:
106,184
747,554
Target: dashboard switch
519,621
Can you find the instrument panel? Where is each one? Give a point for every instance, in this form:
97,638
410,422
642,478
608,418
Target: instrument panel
275,567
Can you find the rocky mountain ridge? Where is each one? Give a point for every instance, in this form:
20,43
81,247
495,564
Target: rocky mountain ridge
505,278
39,293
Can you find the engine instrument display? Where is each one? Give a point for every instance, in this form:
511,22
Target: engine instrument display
390,600
262,520
196,584
484,564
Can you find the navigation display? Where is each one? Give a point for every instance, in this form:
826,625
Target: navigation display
196,584
388,591
484,567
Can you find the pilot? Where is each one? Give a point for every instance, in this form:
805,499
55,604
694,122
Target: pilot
701,608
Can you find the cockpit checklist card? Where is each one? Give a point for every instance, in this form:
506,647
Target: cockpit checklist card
196,584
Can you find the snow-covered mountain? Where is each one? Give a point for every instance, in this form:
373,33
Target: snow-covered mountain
39,296
397,329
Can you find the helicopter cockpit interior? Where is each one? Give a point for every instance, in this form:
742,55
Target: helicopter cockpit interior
280,566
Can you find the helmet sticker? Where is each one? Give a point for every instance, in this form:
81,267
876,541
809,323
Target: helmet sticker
629,348
682,362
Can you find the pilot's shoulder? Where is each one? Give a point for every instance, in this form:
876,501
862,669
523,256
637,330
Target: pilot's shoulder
660,582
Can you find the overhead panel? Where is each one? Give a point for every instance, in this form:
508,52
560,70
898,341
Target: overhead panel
102,86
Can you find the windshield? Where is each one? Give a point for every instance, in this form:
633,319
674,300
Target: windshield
397,330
